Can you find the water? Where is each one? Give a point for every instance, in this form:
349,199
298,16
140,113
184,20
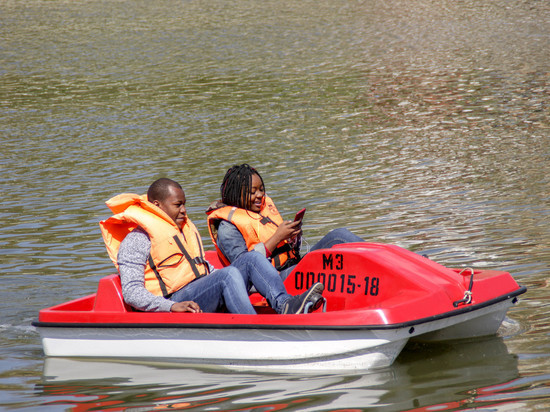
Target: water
424,124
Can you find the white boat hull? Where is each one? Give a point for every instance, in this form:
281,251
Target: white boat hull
235,348
270,348
483,321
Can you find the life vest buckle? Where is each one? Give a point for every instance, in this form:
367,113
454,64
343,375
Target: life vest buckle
199,260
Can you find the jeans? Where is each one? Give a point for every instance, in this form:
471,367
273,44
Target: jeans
258,272
221,287
334,237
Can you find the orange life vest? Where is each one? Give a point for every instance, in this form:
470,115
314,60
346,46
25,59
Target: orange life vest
176,256
255,228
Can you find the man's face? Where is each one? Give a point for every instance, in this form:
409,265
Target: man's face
174,205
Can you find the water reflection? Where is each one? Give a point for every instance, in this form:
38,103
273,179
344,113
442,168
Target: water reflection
424,375
424,125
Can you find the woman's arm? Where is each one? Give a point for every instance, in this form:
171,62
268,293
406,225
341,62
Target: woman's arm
230,241
287,230
232,244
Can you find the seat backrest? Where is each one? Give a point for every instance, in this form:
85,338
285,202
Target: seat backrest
109,296
212,257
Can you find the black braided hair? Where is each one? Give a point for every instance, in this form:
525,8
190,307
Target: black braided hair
236,184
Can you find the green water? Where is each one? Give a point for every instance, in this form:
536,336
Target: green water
424,124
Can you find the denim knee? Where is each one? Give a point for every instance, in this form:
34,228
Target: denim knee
232,273
340,232
256,257
261,263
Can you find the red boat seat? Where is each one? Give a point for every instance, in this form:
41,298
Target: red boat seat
212,257
109,296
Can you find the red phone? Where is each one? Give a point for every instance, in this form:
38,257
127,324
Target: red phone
300,215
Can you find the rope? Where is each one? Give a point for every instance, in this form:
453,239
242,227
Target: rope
467,299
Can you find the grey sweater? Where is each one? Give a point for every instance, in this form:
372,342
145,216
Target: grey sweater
132,258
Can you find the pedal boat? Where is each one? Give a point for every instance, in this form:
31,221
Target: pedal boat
378,297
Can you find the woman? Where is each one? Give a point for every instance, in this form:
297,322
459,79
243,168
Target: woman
246,219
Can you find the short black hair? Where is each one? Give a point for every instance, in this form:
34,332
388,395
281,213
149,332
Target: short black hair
159,189
236,182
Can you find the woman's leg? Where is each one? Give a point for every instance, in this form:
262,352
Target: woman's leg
258,272
285,272
222,286
335,237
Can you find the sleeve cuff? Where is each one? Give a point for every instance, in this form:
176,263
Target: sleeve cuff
260,247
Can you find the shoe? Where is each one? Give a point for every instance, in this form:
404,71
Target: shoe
308,301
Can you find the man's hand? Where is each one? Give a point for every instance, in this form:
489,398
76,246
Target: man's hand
186,306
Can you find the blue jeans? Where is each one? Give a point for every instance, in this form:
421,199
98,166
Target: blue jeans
334,237
258,272
221,287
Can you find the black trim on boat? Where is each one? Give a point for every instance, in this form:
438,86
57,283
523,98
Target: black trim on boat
460,311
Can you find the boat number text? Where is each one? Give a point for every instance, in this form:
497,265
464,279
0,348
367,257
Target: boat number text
335,281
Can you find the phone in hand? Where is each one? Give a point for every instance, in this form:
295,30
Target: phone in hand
297,240
300,215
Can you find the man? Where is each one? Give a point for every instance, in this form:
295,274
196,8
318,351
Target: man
159,254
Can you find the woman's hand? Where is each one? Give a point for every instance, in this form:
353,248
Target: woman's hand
287,230
186,306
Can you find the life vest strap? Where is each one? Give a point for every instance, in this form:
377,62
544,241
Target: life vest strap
199,261
230,216
159,278
189,258
281,249
291,259
266,219
192,261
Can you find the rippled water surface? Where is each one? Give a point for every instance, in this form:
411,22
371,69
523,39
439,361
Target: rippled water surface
419,123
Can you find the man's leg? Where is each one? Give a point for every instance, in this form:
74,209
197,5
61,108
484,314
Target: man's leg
212,291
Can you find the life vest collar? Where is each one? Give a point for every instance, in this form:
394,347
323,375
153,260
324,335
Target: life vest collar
120,203
254,227
163,274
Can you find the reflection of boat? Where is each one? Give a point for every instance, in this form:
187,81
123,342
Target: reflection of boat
378,297
423,375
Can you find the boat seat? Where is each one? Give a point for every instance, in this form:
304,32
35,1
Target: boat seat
212,257
109,296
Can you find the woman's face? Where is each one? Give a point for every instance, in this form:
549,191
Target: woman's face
254,198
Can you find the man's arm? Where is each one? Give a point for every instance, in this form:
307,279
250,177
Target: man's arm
132,258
